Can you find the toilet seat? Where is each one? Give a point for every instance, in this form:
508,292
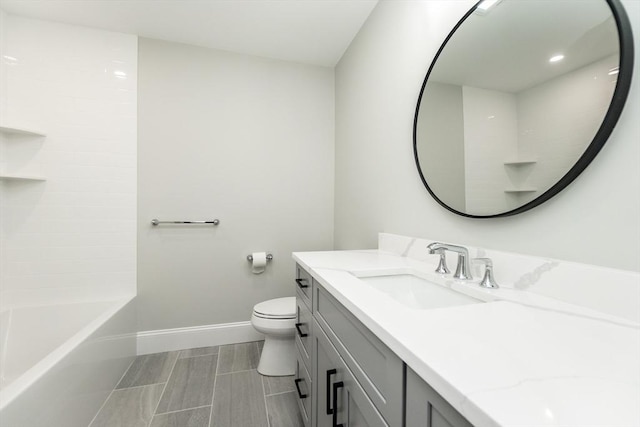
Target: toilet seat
279,308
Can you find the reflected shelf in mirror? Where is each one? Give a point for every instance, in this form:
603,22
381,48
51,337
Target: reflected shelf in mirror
520,162
4,177
12,130
520,190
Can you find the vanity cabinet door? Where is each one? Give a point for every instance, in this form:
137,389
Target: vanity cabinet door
304,391
377,369
303,284
340,401
426,408
303,330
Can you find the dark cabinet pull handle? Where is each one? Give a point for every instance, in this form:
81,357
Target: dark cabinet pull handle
302,334
299,282
300,395
336,386
329,373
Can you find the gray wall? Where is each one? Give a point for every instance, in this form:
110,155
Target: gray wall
440,142
596,220
239,138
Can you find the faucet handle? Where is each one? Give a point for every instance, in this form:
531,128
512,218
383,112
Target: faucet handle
442,264
487,281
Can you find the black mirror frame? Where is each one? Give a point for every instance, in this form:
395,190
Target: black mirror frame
625,37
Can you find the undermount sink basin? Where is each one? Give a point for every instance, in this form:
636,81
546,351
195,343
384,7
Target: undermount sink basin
416,292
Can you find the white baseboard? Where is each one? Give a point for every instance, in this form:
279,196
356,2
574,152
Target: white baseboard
196,336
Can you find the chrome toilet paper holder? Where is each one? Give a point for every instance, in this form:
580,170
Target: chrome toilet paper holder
250,257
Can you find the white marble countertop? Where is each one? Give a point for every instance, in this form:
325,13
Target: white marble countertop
519,359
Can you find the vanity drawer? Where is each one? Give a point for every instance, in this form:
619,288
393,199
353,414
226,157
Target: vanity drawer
374,365
304,284
303,391
303,330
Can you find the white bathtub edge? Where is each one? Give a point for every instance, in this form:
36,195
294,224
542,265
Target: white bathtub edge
162,340
70,393
26,380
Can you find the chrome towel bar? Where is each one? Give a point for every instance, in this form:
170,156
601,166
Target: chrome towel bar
156,222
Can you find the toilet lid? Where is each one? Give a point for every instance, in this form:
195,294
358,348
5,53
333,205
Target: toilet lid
279,308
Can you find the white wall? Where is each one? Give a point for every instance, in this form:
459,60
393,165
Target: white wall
243,139
72,237
595,220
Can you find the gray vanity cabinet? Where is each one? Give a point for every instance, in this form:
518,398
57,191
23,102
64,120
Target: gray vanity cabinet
347,377
340,400
303,343
426,408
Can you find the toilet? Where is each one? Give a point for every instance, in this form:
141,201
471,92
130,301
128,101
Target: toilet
276,319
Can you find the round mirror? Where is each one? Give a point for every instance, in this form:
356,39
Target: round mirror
519,99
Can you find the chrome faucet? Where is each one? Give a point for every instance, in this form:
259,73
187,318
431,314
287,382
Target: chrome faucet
463,271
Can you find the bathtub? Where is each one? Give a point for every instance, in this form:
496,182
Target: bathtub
58,363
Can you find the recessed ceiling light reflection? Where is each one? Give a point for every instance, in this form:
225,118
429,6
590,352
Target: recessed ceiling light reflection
614,71
120,74
10,59
484,6
550,415
556,58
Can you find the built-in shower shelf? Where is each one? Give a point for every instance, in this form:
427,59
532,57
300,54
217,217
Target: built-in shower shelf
21,131
22,178
24,131
520,190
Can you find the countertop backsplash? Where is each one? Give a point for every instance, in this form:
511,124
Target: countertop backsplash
610,291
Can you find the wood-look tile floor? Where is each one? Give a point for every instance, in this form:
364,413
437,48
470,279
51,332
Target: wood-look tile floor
201,387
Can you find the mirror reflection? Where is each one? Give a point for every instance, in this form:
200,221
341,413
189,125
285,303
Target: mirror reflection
513,100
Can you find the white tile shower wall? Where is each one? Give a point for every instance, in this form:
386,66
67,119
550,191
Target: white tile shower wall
490,127
606,290
3,63
74,236
3,140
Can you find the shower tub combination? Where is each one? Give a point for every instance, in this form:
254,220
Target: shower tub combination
58,363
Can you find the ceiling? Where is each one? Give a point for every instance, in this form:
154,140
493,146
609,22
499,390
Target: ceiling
509,48
309,31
